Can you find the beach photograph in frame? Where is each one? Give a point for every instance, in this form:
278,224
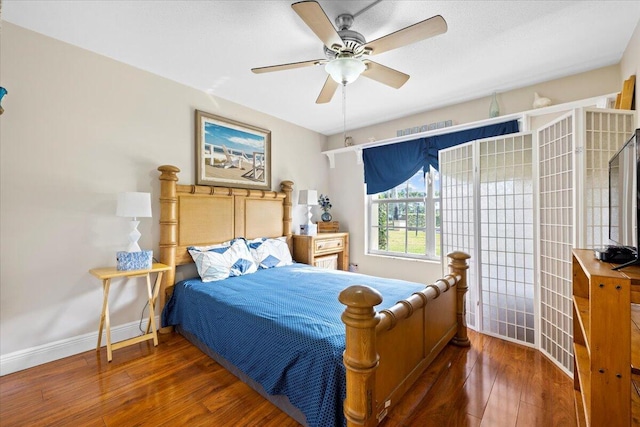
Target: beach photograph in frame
232,154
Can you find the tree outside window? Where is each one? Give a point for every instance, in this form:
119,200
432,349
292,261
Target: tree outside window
405,220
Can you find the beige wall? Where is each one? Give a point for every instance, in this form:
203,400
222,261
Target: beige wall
346,180
77,129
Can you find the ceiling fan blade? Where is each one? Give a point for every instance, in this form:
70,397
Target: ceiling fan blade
327,91
411,34
290,66
315,18
385,75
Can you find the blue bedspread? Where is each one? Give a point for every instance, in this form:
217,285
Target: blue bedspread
281,327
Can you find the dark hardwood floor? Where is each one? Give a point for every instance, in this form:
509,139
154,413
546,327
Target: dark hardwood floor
493,383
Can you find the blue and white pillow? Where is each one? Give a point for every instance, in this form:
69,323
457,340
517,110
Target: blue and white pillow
217,262
268,253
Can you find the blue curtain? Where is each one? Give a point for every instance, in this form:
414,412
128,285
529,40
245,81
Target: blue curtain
387,166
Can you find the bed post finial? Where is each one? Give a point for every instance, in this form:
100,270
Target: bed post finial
287,189
168,227
360,355
169,172
458,265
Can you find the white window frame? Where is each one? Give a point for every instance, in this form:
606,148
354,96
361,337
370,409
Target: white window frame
431,203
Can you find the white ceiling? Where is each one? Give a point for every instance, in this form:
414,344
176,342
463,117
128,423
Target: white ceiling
212,45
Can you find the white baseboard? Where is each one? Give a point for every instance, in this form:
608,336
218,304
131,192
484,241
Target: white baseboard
30,357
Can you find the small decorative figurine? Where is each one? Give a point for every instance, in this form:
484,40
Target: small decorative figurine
540,101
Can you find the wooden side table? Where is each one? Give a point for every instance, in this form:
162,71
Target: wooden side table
106,274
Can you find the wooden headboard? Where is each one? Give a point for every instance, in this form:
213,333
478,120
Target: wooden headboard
196,215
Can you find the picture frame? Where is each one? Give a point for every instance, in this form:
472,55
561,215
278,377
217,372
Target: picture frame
231,154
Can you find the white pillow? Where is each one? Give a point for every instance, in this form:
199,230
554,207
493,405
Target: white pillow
268,253
217,262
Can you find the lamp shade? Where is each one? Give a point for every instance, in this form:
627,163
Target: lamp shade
345,70
134,204
308,197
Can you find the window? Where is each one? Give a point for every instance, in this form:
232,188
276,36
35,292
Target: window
405,221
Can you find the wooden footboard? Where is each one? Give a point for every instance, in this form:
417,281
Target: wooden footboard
387,351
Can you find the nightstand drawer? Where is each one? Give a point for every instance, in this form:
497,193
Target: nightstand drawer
328,245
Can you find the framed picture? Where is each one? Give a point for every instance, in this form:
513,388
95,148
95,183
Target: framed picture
232,154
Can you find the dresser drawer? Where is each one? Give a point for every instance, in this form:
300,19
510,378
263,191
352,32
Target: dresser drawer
328,245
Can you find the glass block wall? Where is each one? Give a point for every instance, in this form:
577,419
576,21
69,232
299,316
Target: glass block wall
457,214
507,237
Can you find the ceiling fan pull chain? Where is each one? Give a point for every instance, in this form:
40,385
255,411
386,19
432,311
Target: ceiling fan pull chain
344,113
348,141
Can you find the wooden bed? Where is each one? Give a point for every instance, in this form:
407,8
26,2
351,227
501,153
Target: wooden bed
385,351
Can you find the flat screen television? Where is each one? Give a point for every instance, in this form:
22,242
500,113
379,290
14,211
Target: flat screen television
624,199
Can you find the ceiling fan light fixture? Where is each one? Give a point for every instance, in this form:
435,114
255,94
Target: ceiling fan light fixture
345,70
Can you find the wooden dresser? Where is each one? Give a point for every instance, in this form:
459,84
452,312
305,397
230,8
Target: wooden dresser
606,342
321,250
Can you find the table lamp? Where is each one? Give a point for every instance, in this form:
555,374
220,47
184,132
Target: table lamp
309,198
134,205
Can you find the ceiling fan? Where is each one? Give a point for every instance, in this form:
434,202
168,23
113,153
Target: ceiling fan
347,52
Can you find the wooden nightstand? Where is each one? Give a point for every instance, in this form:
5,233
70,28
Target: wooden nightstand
106,274
317,250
